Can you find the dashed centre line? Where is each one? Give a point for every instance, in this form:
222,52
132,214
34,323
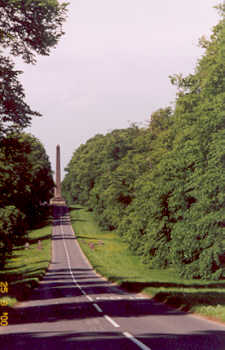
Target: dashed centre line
109,319
136,341
97,308
89,298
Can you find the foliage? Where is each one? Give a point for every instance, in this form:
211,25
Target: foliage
27,28
27,266
110,256
14,112
26,185
25,175
12,227
31,26
162,187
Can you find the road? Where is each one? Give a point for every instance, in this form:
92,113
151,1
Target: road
74,308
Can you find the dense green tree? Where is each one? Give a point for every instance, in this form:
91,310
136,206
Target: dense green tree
27,28
14,111
163,187
102,172
12,228
25,175
26,185
30,27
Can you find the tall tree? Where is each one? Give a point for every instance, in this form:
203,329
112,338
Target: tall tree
25,174
27,28
14,111
163,188
26,184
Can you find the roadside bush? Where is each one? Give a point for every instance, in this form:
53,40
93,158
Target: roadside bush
12,230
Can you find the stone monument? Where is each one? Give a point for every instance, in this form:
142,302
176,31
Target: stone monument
58,174
58,195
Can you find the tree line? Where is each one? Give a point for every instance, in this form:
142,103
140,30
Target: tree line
162,187
27,29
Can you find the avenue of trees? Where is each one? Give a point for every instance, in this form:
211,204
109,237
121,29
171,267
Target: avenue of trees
28,28
162,187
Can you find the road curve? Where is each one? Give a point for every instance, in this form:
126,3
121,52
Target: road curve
73,308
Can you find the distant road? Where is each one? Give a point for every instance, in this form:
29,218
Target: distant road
73,308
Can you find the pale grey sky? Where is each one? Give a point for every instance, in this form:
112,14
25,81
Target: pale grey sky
112,67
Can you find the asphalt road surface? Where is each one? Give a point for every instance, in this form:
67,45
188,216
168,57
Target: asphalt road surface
73,308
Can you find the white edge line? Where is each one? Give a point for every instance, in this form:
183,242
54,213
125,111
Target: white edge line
137,342
111,321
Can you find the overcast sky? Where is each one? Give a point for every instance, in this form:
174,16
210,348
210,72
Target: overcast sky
112,67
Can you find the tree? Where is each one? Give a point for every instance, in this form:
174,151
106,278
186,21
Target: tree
14,112
27,28
25,175
163,188
30,27
26,184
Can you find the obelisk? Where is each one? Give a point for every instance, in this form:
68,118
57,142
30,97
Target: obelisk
58,200
58,194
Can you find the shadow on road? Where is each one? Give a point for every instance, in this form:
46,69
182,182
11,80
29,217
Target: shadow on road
60,340
58,303
56,299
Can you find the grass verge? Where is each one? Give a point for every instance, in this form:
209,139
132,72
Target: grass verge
26,267
110,256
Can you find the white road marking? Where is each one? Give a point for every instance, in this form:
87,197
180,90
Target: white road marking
108,298
137,342
124,297
70,268
68,258
140,298
111,321
53,253
69,265
97,308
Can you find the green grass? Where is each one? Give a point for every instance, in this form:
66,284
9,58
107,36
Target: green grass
26,267
110,256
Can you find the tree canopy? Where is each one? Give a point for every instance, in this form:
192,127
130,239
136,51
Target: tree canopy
26,185
27,28
30,27
163,187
